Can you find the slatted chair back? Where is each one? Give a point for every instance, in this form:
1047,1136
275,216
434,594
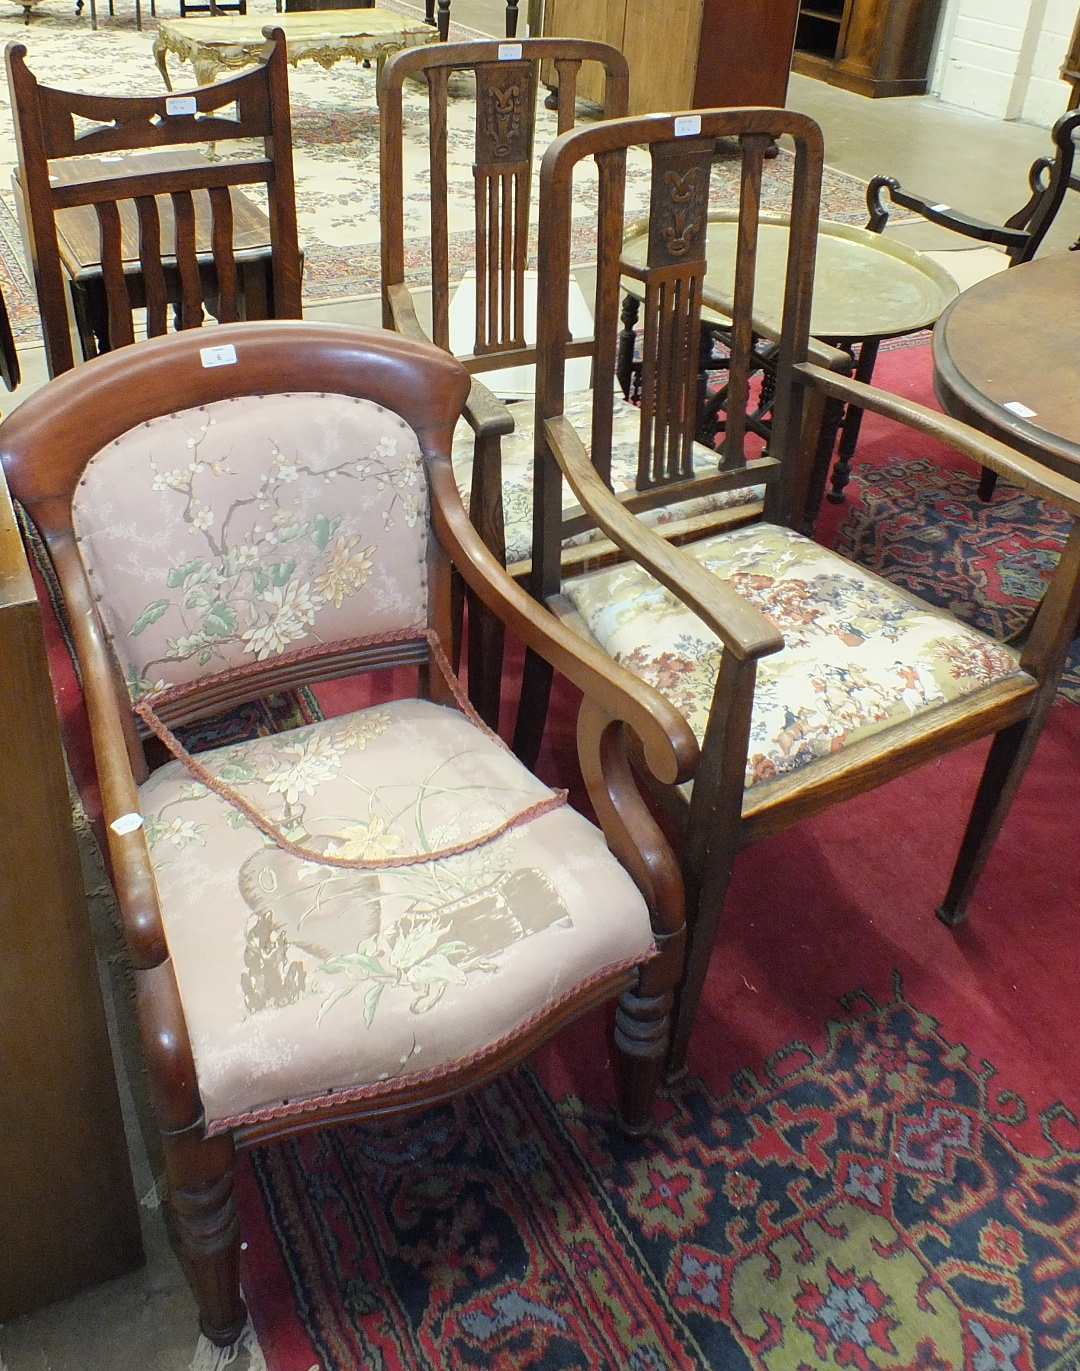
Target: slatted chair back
507,77
165,221
682,151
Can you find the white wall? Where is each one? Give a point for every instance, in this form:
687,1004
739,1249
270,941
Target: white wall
1001,57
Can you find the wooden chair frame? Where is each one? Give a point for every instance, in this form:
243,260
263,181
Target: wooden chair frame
44,446
45,131
1022,234
507,77
721,817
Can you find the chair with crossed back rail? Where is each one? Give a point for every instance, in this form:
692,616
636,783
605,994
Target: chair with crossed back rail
806,678
130,214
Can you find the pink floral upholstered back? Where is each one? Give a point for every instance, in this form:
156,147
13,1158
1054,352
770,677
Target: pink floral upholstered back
245,528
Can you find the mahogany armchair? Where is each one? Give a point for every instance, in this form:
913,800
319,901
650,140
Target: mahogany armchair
129,214
806,679
377,911
1022,234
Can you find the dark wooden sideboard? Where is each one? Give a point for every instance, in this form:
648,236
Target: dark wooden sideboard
686,54
67,1208
873,47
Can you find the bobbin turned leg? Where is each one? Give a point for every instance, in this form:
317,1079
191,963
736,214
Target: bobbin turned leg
204,1227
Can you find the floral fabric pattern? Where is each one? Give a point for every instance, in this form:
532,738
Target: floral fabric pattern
858,655
226,534
298,979
517,471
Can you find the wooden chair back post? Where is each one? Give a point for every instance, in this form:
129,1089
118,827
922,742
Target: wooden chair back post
46,133
1049,179
506,76
682,150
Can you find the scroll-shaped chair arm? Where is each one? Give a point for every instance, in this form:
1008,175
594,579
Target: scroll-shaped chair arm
669,747
944,215
484,412
743,630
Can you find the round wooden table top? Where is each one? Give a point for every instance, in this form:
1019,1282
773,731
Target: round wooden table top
1007,359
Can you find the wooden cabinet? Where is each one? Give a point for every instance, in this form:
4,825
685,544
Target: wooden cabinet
873,47
688,54
67,1208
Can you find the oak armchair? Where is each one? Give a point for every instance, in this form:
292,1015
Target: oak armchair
806,679
379,910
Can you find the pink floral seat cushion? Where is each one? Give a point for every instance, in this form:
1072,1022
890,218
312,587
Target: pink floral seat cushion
299,980
230,533
517,472
859,656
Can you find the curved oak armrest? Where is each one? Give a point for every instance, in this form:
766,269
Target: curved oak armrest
668,743
484,412
743,630
944,215
1022,471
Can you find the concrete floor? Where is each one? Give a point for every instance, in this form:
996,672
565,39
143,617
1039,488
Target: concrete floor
146,1321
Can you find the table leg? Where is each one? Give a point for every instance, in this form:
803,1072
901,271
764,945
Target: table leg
624,360
849,438
831,418
160,52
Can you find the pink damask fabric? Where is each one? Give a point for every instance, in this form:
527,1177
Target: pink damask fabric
236,531
299,979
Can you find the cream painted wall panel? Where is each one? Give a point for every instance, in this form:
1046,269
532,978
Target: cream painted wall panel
1001,57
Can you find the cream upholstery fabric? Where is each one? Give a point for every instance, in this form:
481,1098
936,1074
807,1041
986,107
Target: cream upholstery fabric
225,534
859,655
517,471
299,979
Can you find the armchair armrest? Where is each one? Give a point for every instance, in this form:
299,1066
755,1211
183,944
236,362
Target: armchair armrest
484,412
743,630
1022,471
944,215
668,744
114,746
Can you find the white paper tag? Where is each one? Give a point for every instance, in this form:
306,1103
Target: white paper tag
687,124
940,209
181,104
1021,411
218,357
127,823
509,52
105,157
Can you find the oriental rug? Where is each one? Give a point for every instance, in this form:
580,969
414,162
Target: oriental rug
859,1205
336,156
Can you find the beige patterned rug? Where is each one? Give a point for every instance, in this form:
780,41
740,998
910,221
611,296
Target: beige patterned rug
336,151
